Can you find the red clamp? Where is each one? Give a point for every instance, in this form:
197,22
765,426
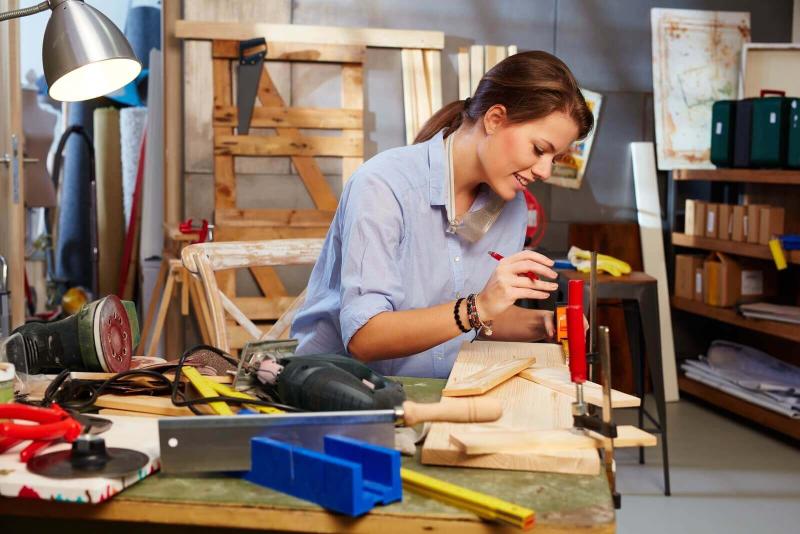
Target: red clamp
54,424
186,227
576,335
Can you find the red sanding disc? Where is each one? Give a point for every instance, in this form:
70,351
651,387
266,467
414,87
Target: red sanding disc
113,331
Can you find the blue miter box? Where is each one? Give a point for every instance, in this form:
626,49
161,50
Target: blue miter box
350,477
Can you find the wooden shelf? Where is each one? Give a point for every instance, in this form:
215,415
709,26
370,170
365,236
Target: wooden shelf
761,176
752,250
762,416
730,316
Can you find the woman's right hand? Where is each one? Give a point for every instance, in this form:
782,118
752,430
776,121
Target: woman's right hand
509,282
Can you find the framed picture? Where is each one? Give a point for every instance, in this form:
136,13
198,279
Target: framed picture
569,170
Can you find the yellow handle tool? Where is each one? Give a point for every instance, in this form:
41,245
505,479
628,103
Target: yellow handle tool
481,504
204,387
228,391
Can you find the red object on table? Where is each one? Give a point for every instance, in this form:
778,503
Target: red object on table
54,424
498,257
576,334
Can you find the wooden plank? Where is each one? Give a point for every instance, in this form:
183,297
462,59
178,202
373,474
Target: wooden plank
409,102
268,281
433,75
492,56
125,413
300,33
264,232
738,248
728,315
295,52
144,404
526,406
264,308
421,95
487,378
224,174
464,88
12,176
511,50
283,117
476,70
353,98
307,168
492,441
281,328
239,317
649,216
173,113
256,145
256,218
558,379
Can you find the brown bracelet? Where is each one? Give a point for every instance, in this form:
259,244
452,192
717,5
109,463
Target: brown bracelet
457,315
474,318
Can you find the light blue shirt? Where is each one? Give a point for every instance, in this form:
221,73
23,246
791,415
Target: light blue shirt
388,249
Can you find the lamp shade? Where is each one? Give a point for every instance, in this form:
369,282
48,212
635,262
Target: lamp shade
84,53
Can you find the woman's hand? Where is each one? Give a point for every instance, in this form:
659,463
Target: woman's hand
509,282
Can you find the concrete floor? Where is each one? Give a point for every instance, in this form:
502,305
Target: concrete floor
726,477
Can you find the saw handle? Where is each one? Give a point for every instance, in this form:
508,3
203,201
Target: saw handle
464,410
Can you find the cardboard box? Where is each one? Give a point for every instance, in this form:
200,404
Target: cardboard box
770,223
759,279
695,217
712,220
737,223
699,283
725,224
722,277
686,266
752,223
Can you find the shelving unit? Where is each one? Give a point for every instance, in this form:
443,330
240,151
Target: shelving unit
736,179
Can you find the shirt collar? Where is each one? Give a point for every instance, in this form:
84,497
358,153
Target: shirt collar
436,175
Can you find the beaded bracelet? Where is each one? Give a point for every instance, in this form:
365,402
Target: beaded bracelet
474,318
457,316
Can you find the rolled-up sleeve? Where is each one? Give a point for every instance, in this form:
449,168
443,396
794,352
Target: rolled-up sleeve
372,234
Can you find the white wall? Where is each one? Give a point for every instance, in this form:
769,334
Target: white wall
32,32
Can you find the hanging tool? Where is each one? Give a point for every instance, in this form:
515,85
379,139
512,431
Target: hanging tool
204,230
5,300
251,60
226,439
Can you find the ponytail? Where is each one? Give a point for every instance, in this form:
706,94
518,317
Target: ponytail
530,85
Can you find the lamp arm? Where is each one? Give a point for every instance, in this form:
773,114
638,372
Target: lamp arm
24,12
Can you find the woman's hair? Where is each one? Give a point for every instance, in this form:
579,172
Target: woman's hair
530,85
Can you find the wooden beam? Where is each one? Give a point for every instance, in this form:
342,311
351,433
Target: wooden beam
353,97
172,69
299,33
260,233
259,145
255,218
264,309
409,100
297,52
464,88
475,67
421,95
283,117
224,171
433,75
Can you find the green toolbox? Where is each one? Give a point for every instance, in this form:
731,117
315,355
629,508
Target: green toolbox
723,124
793,134
770,121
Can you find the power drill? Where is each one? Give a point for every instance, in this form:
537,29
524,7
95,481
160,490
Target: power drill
319,382
100,337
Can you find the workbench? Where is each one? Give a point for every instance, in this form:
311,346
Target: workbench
563,503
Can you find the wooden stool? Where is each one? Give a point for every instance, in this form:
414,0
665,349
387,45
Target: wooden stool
639,294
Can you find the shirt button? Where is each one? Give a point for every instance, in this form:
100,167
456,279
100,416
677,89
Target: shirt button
458,295
458,258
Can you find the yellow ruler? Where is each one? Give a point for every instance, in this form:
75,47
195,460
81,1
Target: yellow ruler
205,389
228,391
481,504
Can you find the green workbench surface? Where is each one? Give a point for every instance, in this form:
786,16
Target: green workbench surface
561,502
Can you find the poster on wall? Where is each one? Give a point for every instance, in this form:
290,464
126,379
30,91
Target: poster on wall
695,63
568,171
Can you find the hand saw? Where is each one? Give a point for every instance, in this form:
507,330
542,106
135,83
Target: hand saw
251,60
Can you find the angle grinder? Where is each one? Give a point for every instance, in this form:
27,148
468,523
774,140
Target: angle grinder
99,338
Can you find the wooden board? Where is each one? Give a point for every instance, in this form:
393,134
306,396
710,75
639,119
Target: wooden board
526,405
283,117
300,33
300,145
486,378
558,379
475,67
649,216
464,88
298,52
144,404
491,441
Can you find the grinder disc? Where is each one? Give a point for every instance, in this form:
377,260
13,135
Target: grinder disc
58,464
112,335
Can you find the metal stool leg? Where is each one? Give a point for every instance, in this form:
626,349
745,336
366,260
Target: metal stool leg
648,306
633,328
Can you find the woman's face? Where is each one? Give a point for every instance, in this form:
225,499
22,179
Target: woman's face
514,155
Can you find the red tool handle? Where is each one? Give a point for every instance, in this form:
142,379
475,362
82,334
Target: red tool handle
576,334
772,92
32,413
54,423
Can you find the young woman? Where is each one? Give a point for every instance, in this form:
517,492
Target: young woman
405,276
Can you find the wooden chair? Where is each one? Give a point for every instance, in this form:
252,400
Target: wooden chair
204,259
